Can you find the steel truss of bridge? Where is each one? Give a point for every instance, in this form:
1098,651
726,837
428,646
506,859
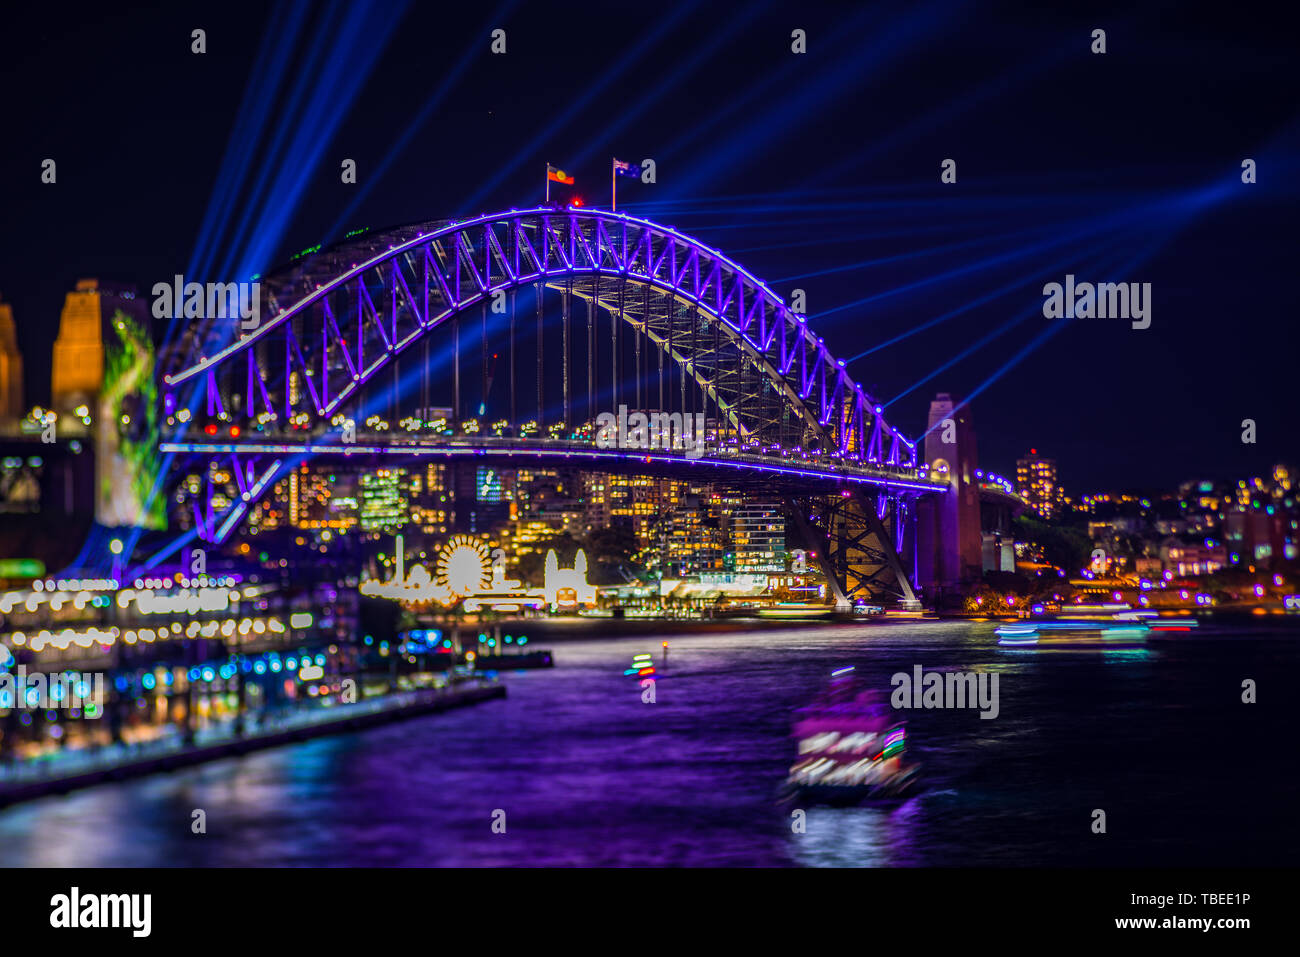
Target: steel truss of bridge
376,332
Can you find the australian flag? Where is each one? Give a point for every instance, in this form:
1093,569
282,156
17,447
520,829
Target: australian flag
627,169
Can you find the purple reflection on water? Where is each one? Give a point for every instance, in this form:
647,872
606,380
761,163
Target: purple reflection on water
589,775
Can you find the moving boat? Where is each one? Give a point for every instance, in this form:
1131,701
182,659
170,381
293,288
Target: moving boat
1109,625
851,746
797,611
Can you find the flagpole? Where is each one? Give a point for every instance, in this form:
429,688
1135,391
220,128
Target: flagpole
548,184
613,187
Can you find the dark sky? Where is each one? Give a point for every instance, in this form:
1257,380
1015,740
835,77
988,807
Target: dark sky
1121,167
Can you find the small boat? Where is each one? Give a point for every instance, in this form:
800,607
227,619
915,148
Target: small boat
851,746
642,666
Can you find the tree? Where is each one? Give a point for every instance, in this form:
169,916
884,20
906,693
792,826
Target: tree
1063,546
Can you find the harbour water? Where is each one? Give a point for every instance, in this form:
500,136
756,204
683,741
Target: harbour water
587,773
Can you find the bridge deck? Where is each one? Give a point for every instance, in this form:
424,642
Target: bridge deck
557,453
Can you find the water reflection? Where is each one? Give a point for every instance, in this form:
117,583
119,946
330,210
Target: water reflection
859,836
591,774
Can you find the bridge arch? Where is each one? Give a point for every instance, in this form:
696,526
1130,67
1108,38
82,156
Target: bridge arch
338,319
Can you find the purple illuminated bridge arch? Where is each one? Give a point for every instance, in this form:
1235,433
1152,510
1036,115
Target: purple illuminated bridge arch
395,295
335,323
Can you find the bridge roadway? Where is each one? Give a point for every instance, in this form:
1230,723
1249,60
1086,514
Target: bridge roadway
730,466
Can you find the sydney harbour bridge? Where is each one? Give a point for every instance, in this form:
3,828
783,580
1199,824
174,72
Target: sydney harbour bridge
524,327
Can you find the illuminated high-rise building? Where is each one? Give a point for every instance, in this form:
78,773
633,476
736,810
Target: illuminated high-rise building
78,365
637,502
488,486
596,499
756,534
689,537
1037,484
481,498
323,498
432,500
537,490
11,371
383,502
292,488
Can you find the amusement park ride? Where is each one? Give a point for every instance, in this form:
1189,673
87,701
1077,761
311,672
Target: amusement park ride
466,573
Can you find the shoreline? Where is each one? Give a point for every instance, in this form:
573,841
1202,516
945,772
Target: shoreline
574,628
417,703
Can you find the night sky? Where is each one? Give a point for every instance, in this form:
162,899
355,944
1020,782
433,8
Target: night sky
1117,167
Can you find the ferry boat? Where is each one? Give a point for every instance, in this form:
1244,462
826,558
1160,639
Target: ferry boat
796,611
851,746
1109,625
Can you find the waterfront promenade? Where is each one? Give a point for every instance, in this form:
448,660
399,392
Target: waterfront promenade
68,770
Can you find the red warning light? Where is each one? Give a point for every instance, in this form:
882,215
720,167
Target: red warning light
576,201
234,431
210,428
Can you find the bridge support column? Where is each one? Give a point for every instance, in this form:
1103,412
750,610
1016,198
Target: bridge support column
541,378
591,365
514,412
455,369
568,300
484,372
854,549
